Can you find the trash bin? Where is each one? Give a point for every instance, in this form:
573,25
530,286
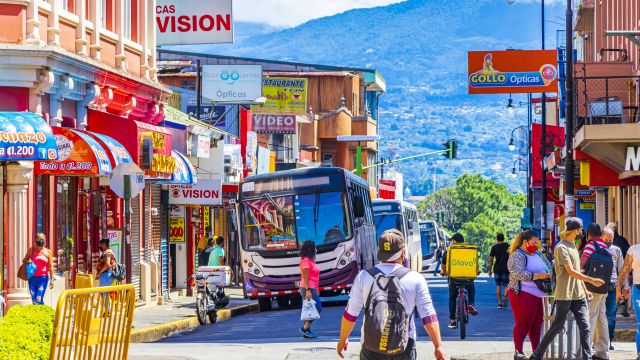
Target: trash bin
566,345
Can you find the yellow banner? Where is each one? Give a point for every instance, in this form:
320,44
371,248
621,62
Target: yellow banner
207,218
284,96
176,229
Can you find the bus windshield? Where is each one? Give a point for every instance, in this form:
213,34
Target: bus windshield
387,221
428,238
284,222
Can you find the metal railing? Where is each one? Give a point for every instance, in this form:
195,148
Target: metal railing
602,100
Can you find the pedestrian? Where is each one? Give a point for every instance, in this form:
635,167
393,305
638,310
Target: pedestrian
42,258
439,254
309,283
597,306
205,245
106,264
526,265
498,259
216,258
632,264
621,242
611,302
454,284
570,292
390,288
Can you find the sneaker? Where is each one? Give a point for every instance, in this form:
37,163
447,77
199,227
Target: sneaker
519,356
625,314
611,348
472,310
453,324
499,306
307,334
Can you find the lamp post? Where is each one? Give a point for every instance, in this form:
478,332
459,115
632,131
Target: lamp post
511,107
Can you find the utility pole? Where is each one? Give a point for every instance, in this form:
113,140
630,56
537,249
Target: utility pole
569,168
543,228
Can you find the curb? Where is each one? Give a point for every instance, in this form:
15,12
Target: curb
625,335
154,333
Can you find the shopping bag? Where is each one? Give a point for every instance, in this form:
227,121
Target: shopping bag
22,272
309,311
31,269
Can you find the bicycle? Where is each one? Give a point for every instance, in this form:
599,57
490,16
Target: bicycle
462,311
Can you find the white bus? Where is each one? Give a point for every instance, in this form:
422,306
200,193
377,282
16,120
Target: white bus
431,236
403,216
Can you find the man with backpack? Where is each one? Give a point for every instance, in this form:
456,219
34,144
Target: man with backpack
389,294
597,262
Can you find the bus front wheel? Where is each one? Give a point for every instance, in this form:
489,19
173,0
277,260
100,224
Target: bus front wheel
264,303
283,302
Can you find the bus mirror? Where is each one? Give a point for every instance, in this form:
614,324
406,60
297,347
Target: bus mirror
358,206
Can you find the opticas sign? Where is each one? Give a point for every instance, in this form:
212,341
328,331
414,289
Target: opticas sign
205,192
513,71
180,22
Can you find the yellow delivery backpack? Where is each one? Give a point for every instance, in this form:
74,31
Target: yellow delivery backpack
462,261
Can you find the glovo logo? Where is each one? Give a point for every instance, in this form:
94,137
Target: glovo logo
456,262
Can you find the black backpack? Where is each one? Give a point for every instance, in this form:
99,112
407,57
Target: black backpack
600,266
386,320
119,272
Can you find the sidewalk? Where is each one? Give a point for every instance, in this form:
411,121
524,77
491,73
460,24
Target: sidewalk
152,323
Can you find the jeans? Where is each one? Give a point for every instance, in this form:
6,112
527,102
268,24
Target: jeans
37,288
599,325
635,298
438,263
612,308
528,315
580,312
453,294
408,354
315,296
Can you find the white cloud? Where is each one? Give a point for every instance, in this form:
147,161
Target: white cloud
289,13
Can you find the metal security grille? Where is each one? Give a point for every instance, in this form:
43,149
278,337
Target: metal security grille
135,244
147,224
156,204
164,247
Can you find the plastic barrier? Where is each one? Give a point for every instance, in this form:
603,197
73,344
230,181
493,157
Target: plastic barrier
462,261
84,281
565,345
93,323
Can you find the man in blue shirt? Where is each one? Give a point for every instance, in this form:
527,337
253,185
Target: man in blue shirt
216,258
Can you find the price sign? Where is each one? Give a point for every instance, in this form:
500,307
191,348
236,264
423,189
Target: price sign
176,230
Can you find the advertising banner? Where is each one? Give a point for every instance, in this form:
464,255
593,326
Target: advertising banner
207,217
232,83
513,71
212,115
205,192
274,124
176,230
284,96
180,22
555,139
115,243
264,160
78,154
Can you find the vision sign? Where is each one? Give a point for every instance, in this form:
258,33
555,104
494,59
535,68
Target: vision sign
180,22
633,159
205,192
513,71
266,123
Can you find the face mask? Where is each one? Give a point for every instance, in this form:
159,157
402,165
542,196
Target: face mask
531,248
40,243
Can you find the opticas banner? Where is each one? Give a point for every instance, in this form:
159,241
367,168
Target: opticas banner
284,96
232,83
513,71
180,22
205,192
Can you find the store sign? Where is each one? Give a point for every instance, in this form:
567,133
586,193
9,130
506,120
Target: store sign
180,22
513,71
232,83
200,146
78,154
264,161
161,162
251,149
115,243
212,115
274,123
176,230
205,192
284,96
207,217
633,159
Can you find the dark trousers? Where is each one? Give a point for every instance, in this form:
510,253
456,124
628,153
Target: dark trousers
580,313
408,354
453,294
612,309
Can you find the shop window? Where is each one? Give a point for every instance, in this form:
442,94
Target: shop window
66,190
107,14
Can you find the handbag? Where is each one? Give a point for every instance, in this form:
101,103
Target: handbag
309,311
22,270
30,269
545,285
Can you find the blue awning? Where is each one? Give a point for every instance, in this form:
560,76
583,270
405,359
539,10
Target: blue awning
118,153
26,136
185,173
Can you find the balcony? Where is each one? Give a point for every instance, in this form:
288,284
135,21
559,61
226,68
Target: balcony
584,15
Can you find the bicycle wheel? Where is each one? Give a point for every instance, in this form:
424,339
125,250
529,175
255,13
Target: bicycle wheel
462,321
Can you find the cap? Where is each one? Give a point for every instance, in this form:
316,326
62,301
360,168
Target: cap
390,245
573,223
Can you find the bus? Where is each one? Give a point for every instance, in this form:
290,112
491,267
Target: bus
278,211
403,216
431,236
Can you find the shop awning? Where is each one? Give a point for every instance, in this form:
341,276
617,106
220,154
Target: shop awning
79,154
25,136
185,173
118,154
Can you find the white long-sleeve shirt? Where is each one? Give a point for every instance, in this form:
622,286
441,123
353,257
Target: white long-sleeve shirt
414,288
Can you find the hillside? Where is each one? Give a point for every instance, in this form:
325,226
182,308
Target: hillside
420,47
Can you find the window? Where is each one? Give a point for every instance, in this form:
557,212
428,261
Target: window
127,19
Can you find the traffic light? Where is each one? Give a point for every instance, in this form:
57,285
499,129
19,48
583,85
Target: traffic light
451,149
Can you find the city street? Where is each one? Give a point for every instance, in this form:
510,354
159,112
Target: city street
274,334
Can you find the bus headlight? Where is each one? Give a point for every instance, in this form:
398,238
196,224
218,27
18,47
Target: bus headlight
254,269
345,259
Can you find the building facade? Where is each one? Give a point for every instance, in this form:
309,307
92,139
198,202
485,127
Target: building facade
607,129
83,68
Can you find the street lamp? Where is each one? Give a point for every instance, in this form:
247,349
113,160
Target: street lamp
512,105
518,162
525,130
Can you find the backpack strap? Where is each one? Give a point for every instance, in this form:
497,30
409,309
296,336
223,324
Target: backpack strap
374,271
400,272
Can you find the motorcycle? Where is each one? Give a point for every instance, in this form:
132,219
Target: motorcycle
210,296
